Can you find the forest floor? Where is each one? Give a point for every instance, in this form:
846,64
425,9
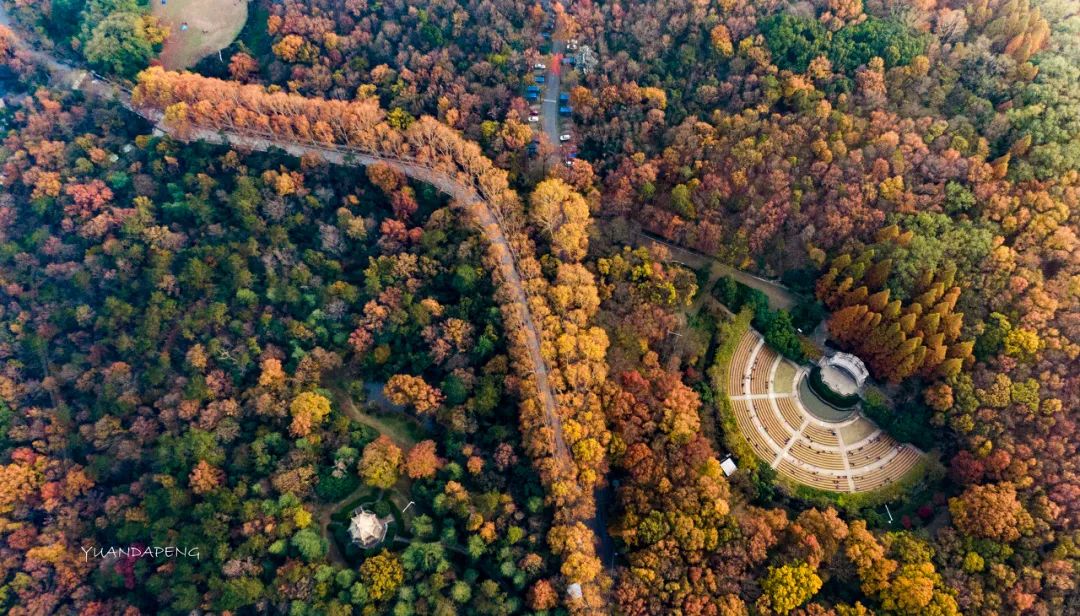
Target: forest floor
212,25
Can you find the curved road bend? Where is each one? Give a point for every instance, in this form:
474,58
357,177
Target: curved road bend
464,197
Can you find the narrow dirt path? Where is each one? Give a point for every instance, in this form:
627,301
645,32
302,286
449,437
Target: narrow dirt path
322,518
345,403
779,295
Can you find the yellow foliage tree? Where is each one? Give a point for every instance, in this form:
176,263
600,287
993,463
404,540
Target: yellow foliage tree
562,213
308,409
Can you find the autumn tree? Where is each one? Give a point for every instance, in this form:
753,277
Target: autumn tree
557,209
124,42
790,586
422,461
542,596
308,409
408,390
205,478
380,463
382,574
990,511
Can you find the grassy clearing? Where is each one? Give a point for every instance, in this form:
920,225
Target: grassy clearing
211,26
785,377
401,428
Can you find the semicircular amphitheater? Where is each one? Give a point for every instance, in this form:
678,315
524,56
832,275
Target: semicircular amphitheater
843,453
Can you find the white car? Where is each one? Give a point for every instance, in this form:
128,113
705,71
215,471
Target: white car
534,118
565,137
540,66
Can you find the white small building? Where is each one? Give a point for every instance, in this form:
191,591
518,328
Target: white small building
367,529
852,365
843,373
728,466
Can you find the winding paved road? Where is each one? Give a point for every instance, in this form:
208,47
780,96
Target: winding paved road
464,197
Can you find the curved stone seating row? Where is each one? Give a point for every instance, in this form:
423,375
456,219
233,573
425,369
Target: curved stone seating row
739,361
882,476
874,451
789,409
823,436
828,460
836,483
753,436
762,368
773,426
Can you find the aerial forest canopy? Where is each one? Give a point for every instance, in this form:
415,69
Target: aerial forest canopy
541,307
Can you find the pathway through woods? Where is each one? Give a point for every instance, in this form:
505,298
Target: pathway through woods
464,197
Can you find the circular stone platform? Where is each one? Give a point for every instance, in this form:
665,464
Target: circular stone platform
839,380
818,407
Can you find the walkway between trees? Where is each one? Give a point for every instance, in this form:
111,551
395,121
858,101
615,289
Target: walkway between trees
779,295
464,197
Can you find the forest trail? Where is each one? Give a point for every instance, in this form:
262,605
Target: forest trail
397,433
779,295
464,197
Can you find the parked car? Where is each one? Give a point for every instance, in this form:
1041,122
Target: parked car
534,109
534,118
564,110
540,66
564,97
565,137
541,79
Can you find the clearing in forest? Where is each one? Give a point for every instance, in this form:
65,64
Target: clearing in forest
198,28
